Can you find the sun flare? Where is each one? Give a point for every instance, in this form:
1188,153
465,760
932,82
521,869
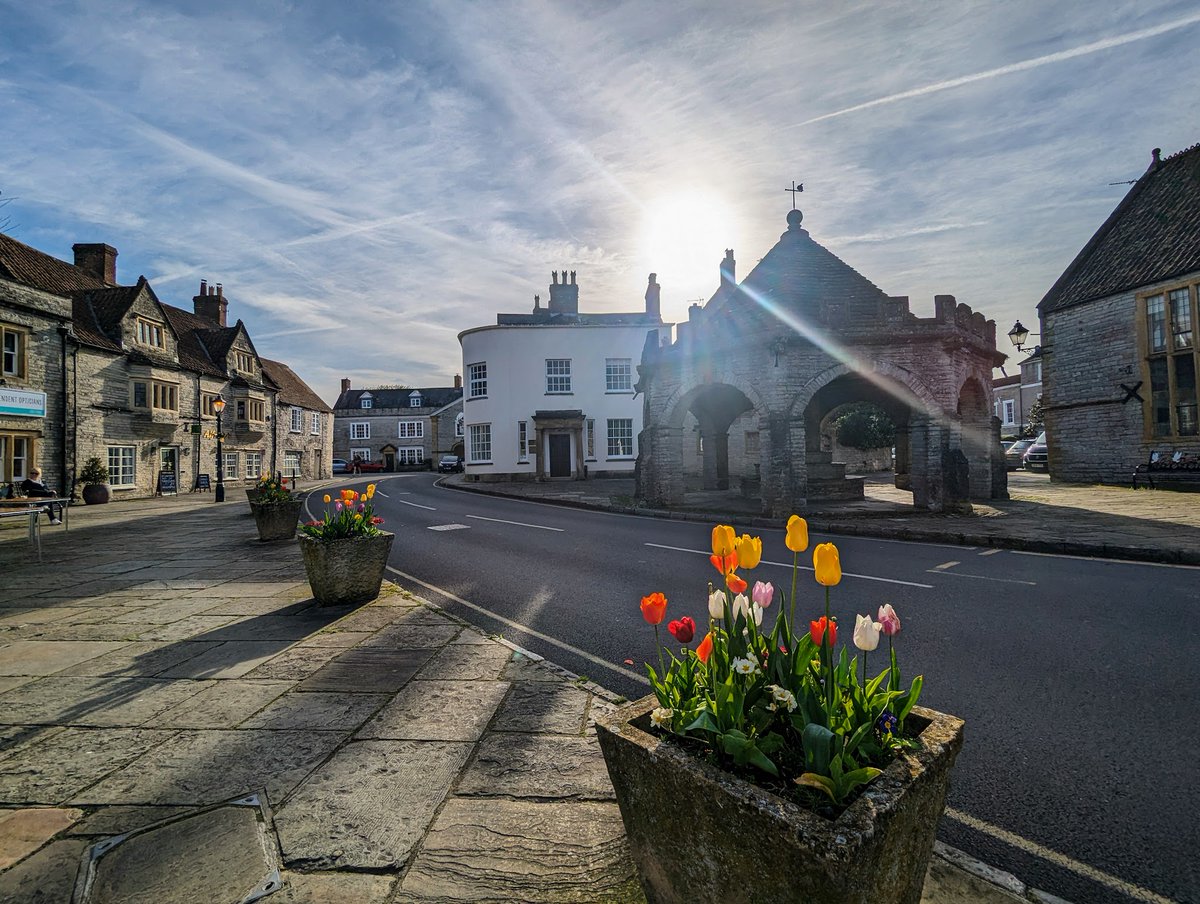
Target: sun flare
684,237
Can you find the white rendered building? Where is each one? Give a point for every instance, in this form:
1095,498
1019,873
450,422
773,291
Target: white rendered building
551,394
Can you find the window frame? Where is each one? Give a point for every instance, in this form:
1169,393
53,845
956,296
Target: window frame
480,436
117,467
314,424
477,380
9,440
297,422
254,464
612,438
361,454
357,433
366,402
1170,410
522,442
19,354
415,401
618,376
419,426
558,376
292,455
404,453
147,330
1008,412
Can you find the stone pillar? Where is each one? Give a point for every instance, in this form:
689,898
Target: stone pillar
903,462
708,439
999,468
577,436
721,449
538,439
659,475
784,466
926,439
975,440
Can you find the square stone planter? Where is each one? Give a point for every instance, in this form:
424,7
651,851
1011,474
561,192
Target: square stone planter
276,520
700,834
346,572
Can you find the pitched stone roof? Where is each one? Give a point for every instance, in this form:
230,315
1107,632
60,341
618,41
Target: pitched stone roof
437,397
97,313
292,390
23,264
194,354
1152,235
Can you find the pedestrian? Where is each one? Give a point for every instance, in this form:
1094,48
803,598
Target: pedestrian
357,464
34,487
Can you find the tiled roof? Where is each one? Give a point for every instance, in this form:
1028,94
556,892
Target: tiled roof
292,390
1152,235
1014,380
192,352
437,397
23,264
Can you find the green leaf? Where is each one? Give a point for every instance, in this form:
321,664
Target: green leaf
910,699
702,722
819,782
818,744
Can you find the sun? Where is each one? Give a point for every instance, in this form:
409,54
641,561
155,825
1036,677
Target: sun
684,237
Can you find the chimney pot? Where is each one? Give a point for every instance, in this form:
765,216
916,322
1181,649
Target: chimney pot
345,385
97,260
458,381
204,287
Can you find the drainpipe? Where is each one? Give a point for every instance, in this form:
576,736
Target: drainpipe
74,416
63,332
275,434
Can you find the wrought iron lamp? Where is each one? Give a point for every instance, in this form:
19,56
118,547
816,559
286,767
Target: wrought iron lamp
219,406
1018,334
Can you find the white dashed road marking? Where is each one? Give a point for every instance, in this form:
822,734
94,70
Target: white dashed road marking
517,523
450,527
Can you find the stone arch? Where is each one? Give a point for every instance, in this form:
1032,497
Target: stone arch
676,406
975,435
905,379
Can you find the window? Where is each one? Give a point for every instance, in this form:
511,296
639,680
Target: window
291,464
481,442
297,420
590,442
478,379
241,409
1171,362
121,466
366,402
558,375
244,362
414,400
254,466
410,456
360,430
206,404
458,424
620,437
360,454
231,465
314,426
153,394
618,375
16,451
149,333
1010,412
13,343
258,410
411,429
522,441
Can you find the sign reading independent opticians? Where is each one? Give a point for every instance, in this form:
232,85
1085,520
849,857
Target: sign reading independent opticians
22,404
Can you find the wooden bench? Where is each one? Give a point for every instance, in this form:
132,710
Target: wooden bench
1169,467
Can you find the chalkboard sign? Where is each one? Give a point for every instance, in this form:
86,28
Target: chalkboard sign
202,483
166,484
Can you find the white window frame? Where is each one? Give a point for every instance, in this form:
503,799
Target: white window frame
13,348
414,401
478,380
522,441
481,439
366,402
254,465
618,375
297,421
411,430
231,465
459,425
558,376
360,429
291,464
589,429
410,455
314,427
361,454
618,438
1009,409
122,467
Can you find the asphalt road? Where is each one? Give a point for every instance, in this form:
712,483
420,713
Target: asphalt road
1077,678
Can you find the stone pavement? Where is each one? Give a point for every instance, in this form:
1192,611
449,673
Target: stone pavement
173,702
1104,521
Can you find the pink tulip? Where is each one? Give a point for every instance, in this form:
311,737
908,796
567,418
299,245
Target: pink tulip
762,593
889,621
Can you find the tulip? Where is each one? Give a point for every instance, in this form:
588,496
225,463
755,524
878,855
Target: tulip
889,621
683,630
705,649
723,539
327,497
797,534
820,629
654,607
734,583
866,633
763,593
370,490
338,507
749,551
716,604
826,567
726,563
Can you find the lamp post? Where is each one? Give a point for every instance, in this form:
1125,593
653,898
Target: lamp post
1018,334
218,407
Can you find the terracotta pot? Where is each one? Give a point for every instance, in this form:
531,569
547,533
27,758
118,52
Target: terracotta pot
276,520
96,493
700,834
346,572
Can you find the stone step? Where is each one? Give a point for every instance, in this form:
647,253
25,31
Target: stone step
845,488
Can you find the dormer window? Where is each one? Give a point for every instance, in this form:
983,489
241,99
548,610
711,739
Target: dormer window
149,333
365,402
244,362
414,400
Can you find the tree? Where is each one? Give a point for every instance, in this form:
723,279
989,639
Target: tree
864,425
1037,419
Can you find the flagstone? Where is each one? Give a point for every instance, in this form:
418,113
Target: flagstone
317,711
231,659
438,711
112,702
223,704
537,766
33,657
543,707
468,662
137,660
46,877
356,671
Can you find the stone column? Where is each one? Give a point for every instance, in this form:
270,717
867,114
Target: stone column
538,439
659,475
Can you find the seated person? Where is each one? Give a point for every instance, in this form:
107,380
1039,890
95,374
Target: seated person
34,487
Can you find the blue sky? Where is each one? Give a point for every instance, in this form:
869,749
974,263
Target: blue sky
367,179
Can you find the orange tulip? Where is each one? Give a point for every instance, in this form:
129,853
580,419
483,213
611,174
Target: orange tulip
797,534
723,539
724,564
827,568
654,607
749,550
820,629
705,649
734,583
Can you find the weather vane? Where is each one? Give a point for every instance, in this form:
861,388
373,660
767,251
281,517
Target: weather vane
795,189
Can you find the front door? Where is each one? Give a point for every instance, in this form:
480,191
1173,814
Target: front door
560,454
168,459
389,461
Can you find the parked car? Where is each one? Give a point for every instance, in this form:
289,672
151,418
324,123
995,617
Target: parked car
341,466
1037,456
1014,454
449,464
369,467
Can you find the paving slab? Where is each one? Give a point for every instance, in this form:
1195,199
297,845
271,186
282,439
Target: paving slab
223,704
47,877
543,707
64,763
206,767
24,831
231,659
137,660
318,711
295,663
411,636
369,805
384,671
438,711
485,851
112,632
35,616
468,663
343,639
333,888
537,766
14,737
111,702
369,618
8,682
34,657
258,605
162,612
107,821
194,626
273,627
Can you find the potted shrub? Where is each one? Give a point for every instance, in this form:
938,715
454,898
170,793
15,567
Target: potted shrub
345,553
276,510
94,477
762,768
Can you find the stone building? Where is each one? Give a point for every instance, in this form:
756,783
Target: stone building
766,362
1118,332
143,377
404,428
1016,395
302,441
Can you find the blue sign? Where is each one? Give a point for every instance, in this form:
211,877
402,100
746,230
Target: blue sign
22,404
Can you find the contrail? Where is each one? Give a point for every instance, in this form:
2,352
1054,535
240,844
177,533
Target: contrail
1094,47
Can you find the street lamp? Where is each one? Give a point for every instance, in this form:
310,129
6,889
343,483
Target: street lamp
218,407
1018,334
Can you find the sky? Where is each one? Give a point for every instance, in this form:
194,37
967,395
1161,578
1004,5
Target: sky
368,178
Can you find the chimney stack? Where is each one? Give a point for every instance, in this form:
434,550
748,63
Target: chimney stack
728,269
458,381
345,385
210,303
99,261
564,296
653,308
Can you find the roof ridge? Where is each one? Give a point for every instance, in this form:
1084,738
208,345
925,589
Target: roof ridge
1180,153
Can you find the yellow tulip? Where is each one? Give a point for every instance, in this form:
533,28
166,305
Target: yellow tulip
723,539
797,534
327,497
358,516
749,551
370,490
827,568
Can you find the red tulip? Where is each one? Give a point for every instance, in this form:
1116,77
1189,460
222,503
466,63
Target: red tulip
654,607
683,630
724,564
734,583
705,649
820,628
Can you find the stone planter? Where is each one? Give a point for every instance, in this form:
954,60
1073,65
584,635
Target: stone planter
346,572
699,834
276,520
96,493
252,495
